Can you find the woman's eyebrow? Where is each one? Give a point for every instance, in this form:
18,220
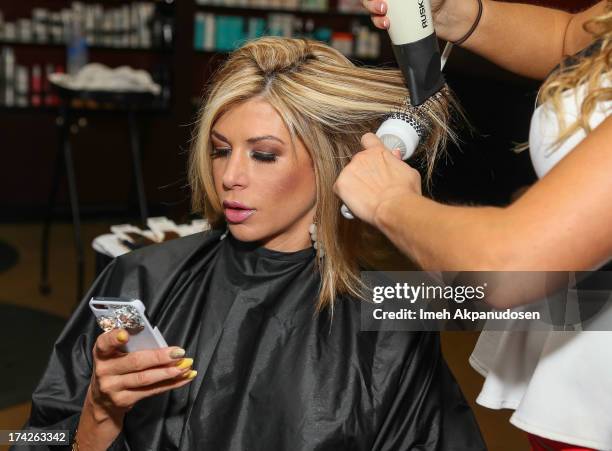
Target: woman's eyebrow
256,139
253,140
219,136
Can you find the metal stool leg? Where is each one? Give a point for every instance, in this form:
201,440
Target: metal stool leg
58,172
137,165
76,219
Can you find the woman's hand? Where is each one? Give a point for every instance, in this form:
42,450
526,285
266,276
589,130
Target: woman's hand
374,176
120,380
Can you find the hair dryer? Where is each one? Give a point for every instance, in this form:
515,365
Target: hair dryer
415,46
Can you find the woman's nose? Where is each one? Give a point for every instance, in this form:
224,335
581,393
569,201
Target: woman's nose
235,174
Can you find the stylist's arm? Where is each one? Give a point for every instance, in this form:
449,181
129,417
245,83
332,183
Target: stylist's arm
561,223
385,192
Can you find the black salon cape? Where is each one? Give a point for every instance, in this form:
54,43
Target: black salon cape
272,375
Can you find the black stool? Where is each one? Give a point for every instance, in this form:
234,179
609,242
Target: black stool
129,103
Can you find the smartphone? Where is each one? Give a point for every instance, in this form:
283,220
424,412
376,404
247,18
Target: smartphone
128,314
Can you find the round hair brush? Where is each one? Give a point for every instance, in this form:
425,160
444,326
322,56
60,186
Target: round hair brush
405,129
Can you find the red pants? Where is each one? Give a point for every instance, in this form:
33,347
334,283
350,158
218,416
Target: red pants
544,444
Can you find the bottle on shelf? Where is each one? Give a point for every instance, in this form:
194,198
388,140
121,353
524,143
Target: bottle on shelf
163,23
351,6
343,42
76,50
40,20
7,77
50,97
22,88
36,86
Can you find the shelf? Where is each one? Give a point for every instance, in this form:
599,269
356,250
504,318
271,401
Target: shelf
93,48
28,109
301,12
56,110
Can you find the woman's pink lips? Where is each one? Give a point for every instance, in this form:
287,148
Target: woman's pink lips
235,212
237,215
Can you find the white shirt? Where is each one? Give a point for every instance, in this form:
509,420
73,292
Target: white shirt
558,383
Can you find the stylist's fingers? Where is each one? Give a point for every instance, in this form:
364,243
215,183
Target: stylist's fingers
109,343
377,10
381,22
370,141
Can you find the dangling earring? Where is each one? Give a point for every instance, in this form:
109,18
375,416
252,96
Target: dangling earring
315,243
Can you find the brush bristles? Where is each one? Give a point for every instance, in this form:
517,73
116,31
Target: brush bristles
432,122
419,117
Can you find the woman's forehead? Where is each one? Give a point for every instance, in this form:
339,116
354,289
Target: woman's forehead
253,117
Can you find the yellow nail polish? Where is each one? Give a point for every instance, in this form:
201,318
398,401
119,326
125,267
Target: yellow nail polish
183,364
122,336
190,374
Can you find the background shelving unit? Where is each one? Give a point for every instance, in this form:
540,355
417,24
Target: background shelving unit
30,135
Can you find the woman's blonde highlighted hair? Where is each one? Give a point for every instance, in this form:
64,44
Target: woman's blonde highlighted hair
586,71
328,104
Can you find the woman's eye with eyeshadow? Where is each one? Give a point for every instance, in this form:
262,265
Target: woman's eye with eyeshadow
264,157
220,152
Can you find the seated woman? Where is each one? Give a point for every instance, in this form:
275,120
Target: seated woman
272,323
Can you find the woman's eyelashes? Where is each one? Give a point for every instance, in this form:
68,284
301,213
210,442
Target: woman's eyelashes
264,157
257,155
220,152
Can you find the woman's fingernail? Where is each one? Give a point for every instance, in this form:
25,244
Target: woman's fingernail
381,8
190,374
386,22
122,336
183,364
177,353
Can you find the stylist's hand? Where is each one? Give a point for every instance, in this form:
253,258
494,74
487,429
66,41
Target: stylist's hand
378,10
374,176
452,18
120,380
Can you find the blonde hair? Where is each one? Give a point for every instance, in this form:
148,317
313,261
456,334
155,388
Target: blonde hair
586,71
328,104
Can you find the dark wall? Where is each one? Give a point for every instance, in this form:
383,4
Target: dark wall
484,168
